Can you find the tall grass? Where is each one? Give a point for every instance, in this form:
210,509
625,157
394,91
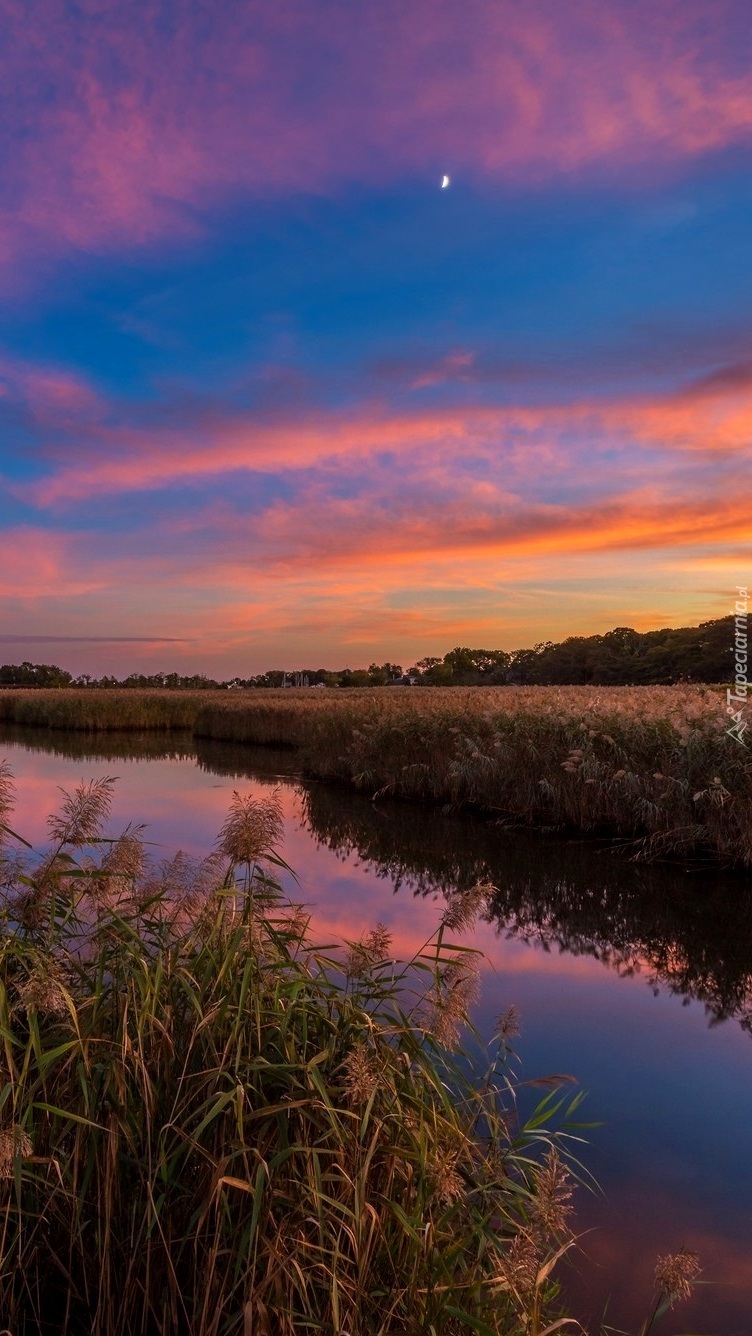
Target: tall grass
651,765
210,1125
101,711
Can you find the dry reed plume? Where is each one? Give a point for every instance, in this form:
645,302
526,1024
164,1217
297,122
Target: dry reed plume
676,1274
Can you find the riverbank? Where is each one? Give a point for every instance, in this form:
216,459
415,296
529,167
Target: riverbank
653,766
619,1034
209,1124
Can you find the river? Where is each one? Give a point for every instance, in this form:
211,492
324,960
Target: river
634,981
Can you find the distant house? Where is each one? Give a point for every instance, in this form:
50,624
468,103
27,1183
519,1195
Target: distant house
405,680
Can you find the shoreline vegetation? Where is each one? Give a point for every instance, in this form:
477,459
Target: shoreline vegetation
650,767
621,657
209,1123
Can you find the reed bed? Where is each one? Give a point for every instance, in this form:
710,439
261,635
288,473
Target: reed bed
653,766
209,1124
100,711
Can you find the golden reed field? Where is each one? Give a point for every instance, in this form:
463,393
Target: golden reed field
652,766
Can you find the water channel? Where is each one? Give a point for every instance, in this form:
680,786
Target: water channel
635,981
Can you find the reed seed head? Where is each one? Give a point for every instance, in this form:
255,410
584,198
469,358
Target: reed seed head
464,908
451,999
371,949
82,813
15,1143
44,990
676,1273
7,795
508,1024
442,1170
552,1206
31,905
252,829
361,1075
125,858
185,881
520,1265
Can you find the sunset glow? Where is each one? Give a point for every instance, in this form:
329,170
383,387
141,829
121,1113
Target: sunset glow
272,395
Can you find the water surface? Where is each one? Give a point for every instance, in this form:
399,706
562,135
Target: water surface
636,981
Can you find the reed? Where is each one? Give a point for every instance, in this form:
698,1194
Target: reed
102,710
653,766
208,1124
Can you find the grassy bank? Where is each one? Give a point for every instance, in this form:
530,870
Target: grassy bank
651,765
210,1125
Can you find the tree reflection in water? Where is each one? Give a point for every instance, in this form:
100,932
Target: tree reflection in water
687,928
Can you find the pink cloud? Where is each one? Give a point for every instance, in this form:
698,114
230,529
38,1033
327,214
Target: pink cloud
376,543
35,563
120,126
714,421
142,460
381,533
54,396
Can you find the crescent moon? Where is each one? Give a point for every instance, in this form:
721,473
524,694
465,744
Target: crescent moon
445,181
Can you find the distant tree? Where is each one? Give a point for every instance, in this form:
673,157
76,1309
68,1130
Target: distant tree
439,674
353,677
274,678
377,675
326,676
381,673
522,666
28,674
462,664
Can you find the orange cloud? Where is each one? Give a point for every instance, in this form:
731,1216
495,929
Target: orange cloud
529,438
310,587
377,533
344,534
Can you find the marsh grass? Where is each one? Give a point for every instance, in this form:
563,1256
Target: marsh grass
101,711
209,1124
652,766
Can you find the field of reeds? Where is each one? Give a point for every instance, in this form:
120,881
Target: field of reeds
100,711
210,1124
653,766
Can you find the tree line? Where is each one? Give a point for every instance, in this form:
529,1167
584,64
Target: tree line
622,657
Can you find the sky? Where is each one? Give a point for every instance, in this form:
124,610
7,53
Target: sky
270,396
